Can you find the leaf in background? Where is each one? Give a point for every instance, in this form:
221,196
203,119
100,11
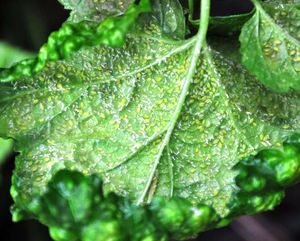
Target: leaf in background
5,149
94,10
228,25
171,17
270,44
222,25
109,111
10,55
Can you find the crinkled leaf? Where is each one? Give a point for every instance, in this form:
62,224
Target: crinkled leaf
107,111
94,10
270,44
10,55
75,208
73,36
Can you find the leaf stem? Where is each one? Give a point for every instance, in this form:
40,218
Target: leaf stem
191,9
200,41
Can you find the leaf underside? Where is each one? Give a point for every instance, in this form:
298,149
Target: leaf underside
115,123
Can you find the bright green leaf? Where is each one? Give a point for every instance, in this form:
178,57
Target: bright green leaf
9,55
270,44
5,149
74,208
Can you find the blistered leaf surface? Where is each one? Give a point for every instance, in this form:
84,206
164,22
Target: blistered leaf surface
107,111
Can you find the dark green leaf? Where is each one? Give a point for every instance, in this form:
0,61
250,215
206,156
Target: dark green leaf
228,25
229,46
222,25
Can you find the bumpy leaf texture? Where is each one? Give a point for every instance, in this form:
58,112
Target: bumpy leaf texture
115,123
270,44
71,37
75,208
122,114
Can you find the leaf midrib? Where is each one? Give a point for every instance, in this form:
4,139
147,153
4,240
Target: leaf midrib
180,48
199,44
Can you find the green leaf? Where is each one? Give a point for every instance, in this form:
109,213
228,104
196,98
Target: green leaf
270,44
75,208
171,17
262,178
110,111
10,55
94,10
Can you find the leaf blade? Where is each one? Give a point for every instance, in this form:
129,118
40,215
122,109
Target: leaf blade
112,124
270,47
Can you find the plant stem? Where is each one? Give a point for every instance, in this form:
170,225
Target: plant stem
191,9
